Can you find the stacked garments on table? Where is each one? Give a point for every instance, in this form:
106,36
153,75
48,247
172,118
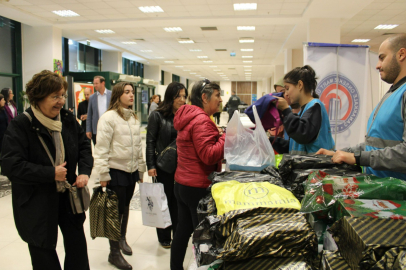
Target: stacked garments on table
258,225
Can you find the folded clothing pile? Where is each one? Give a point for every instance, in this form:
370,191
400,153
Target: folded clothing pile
255,233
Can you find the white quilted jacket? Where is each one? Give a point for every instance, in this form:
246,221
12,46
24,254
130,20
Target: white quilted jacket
118,145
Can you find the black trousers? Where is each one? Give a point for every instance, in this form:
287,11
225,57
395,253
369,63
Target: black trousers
123,184
188,198
94,138
217,117
165,235
74,242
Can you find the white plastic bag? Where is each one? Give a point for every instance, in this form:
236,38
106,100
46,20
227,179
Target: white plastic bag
246,149
154,205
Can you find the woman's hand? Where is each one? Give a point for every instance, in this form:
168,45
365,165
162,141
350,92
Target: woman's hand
104,183
152,172
60,172
323,151
81,181
282,104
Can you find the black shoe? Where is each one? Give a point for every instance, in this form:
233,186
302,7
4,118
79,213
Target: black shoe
125,248
165,244
116,258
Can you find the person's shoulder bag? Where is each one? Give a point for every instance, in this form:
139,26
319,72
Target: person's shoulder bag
79,197
167,160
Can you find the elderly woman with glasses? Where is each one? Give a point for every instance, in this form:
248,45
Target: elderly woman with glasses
42,148
200,148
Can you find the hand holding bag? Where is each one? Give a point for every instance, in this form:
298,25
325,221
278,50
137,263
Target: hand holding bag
167,160
104,218
154,205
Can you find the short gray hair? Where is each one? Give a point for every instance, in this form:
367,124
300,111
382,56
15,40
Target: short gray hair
200,88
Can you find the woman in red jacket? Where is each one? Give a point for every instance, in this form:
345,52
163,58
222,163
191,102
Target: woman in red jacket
200,149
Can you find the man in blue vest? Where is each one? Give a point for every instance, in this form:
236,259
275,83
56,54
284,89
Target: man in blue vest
384,151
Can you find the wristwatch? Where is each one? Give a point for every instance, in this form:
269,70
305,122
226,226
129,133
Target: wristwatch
357,155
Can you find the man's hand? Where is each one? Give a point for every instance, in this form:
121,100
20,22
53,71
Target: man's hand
152,172
282,104
323,151
83,117
81,181
104,183
60,172
89,135
343,157
141,177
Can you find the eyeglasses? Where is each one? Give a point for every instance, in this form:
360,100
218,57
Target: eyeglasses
205,82
57,98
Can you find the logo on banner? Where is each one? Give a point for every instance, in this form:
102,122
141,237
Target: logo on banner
342,104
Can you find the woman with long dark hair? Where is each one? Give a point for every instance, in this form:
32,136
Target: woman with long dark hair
159,135
118,160
10,107
309,130
3,119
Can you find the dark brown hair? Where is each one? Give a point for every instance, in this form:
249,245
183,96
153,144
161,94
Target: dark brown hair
307,75
5,92
171,93
44,84
101,78
115,104
1,97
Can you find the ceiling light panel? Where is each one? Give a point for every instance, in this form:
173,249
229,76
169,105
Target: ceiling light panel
151,9
105,31
159,57
129,42
246,28
247,66
173,29
247,50
247,61
247,56
169,62
386,26
195,50
202,57
146,50
65,13
185,41
360,40
179,66
246,40
245,6
207,61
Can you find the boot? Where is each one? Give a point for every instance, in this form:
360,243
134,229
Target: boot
125,248
115,257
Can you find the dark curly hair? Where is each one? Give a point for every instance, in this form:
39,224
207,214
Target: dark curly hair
44,84
171,93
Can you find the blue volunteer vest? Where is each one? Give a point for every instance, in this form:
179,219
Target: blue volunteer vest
386,130
324,139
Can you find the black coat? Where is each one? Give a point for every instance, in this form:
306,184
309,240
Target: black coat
158,136
3,125
82,110
27,165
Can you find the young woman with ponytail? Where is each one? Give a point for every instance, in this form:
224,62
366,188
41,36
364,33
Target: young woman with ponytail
309,130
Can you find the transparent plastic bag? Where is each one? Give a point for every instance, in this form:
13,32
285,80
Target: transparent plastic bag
246,149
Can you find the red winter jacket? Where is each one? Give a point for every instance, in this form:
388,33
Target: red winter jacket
199,145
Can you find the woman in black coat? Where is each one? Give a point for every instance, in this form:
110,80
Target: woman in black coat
3,119
37,205
160,134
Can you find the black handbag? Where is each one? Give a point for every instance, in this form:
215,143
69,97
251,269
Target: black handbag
167,160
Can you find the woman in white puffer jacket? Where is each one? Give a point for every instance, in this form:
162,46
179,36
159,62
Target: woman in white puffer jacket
118,160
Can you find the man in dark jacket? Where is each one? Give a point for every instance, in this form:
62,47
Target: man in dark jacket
233,104
82,108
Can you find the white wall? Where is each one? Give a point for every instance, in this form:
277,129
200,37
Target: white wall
152,72
112,61
40,46
297,58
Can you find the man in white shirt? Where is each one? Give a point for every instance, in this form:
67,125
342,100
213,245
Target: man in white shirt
98,104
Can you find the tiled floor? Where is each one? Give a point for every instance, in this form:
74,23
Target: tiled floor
147,253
